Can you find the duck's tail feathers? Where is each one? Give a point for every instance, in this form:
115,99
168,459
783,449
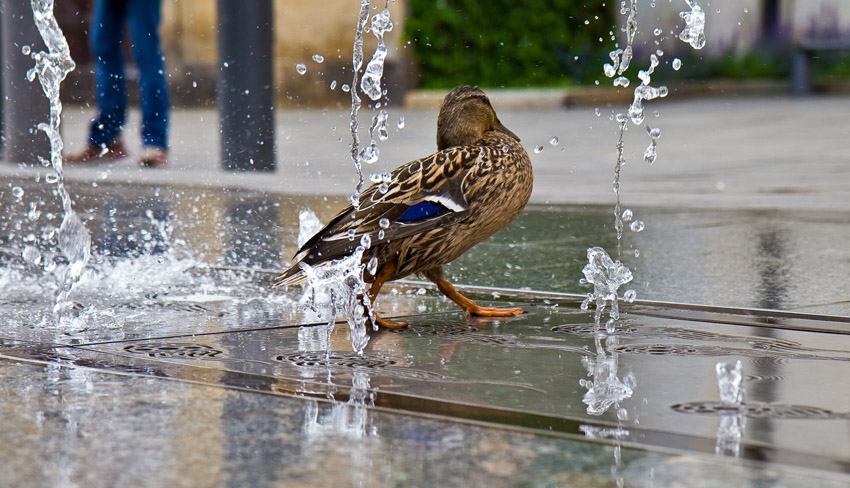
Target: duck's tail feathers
293,276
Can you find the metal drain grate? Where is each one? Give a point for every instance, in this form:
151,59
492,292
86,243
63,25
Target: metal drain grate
674,350
465,333
443,330
174,350
169,306
591,330
338,359
760,410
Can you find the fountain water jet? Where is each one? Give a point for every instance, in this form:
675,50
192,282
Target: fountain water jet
51,67
339,286
595,271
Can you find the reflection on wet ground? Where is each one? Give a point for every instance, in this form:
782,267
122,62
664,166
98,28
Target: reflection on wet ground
183,368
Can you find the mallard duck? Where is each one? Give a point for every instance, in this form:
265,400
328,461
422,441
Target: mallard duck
435,208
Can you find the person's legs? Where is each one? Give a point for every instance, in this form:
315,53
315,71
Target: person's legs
105,39
143,19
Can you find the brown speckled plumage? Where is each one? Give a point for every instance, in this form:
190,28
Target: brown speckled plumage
475,185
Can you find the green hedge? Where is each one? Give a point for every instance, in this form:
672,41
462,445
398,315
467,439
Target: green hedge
496,43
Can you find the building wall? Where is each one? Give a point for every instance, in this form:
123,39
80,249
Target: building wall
735,25
301,29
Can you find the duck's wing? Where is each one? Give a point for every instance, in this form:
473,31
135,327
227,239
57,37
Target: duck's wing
421,195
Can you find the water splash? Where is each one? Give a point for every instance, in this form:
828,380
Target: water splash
51,68
733,418
694,31
606,276
356,64
606,389
349,419
730,379
371,81
338,287
308,225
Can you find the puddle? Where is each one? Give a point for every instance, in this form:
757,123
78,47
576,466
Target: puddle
182,292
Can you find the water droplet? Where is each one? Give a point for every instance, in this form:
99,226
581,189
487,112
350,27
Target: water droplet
345,87
380,234
384,222
637,226
372,266
505,148
657,31
300,68
370,154
586,22
318,58
597,111
538,149
621,81
333,84
51,178
637,253
366,241
383,188
629,296
694,31
627,215
554,141
622,414
18,192
26,49
677,64
351,234
400,122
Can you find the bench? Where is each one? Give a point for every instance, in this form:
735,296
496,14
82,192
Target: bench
801,60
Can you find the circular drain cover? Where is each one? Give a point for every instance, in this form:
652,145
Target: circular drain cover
591,330
339,359
173,350
759,410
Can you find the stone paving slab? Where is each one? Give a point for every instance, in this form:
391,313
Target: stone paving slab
66,425
523,373
725,152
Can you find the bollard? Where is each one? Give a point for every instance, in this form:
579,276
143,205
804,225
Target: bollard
24,104
245,85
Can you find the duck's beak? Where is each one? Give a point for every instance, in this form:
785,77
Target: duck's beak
497,125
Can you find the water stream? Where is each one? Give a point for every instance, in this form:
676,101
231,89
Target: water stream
601,271
339,287
51,68
730,430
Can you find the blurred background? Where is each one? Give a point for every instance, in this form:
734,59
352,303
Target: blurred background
436,44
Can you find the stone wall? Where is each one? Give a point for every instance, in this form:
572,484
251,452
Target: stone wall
301,29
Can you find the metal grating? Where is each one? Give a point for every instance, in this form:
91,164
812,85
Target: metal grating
174,350
760,410
339,359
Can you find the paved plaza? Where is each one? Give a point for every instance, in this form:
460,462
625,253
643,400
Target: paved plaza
181,366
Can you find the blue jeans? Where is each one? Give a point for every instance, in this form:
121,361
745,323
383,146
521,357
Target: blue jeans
107,39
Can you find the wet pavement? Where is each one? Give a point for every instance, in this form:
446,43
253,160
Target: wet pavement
182,367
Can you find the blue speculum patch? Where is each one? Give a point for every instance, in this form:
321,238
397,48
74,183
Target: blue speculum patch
422,210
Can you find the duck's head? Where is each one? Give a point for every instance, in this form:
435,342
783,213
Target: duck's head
466,114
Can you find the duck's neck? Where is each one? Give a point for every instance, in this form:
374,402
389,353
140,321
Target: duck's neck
457,135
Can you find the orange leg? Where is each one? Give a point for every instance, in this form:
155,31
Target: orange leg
384,273
468,306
